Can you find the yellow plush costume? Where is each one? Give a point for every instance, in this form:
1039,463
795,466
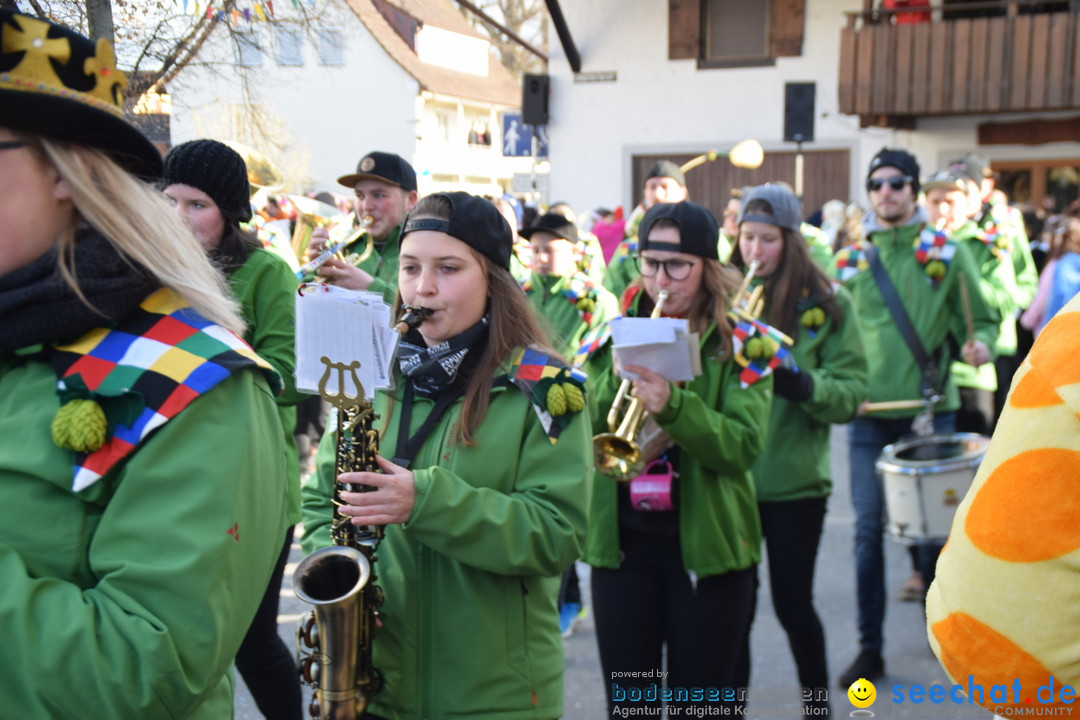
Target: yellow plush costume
1006,602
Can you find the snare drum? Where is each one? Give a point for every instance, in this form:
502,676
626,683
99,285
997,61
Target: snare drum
925,478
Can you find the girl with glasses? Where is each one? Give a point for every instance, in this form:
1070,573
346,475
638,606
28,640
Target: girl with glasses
139,517
793,477
680,577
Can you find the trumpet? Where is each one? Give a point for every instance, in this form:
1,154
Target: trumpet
335,248
616,453
744,303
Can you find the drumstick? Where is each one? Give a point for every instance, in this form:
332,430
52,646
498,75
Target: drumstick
969,323
893,405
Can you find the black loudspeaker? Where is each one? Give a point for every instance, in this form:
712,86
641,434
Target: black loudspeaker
534,100
798,112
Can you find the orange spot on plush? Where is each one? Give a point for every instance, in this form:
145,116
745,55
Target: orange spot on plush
1033,392
970,647
1051,358
1022,512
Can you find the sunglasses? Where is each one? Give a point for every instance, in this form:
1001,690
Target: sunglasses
896,184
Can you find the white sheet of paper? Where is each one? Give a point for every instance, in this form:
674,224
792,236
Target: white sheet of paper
344,326
664,345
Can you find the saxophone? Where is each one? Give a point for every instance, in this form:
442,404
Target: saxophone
333,639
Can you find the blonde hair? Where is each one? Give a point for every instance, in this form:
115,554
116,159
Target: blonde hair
137,221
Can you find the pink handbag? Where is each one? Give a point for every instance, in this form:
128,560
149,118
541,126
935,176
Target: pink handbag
652,489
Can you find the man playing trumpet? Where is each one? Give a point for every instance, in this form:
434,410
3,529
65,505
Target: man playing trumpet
385,187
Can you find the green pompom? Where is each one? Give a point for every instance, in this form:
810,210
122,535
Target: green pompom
556,400
755,348
819,316
1002,242
586,304
936,269
768,349
807,318
575,399
80,425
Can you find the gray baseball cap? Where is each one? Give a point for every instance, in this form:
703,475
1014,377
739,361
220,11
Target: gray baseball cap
786,210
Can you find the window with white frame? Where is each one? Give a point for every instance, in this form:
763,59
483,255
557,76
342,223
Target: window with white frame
331,47
289,41
248,49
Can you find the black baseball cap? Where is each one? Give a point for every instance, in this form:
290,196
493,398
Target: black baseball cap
699,232
387,167
666,168
475,221
553,223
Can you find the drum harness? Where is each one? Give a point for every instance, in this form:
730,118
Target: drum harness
934,378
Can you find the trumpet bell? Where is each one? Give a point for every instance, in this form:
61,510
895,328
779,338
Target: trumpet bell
617,457
263,174
310,214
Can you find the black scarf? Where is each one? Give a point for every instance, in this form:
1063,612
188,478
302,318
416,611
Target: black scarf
37,306
432,370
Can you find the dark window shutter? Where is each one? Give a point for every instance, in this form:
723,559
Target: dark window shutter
786,27
684,29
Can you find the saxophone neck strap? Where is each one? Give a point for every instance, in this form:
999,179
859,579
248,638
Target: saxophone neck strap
408,446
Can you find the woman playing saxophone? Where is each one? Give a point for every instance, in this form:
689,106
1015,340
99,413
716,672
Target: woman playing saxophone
483,473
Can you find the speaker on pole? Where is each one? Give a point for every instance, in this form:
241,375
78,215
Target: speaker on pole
799,112
534,100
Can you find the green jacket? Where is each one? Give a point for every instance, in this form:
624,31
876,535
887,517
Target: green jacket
720,428
130,598
998,287
936,311
550,297
817,242
470,623
795,463
266,289
1007,225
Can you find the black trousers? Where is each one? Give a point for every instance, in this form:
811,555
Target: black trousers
792,533
650,601
264,660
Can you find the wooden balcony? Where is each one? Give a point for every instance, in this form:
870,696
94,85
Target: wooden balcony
892,73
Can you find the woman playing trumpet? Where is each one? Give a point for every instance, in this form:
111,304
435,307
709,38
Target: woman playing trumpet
484,499
684,576
792,477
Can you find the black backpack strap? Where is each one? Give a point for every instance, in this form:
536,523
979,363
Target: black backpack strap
933,382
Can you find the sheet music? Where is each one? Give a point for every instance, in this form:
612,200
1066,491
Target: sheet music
664,345
344,326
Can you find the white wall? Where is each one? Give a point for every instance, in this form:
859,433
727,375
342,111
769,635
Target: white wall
329,116
659,105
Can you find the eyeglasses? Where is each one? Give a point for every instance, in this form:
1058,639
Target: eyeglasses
896,184
12,144
675,268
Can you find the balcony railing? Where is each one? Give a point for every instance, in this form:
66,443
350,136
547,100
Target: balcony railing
1021,61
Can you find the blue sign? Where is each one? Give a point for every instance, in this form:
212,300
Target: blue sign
517,137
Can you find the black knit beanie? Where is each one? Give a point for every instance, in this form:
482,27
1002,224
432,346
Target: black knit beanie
217,170
902,160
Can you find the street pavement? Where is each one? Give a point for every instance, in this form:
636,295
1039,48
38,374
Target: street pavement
908,659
